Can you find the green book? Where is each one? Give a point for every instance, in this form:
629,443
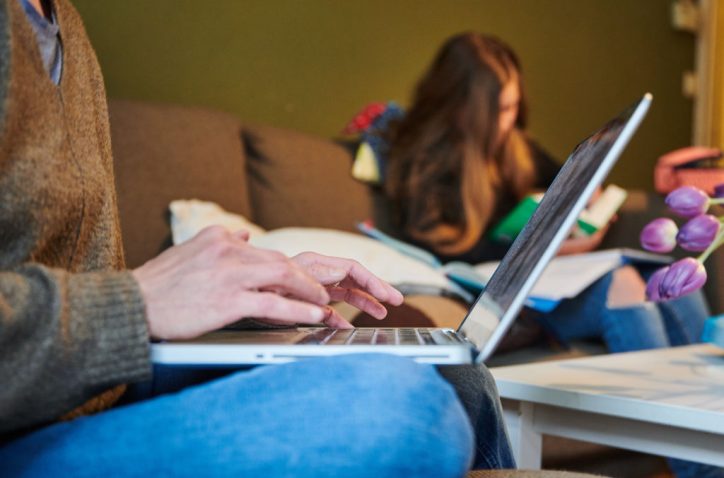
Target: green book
598,213
511,225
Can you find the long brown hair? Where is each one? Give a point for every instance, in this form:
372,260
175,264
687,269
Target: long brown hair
445,163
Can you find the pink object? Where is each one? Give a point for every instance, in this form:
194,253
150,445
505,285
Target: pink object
691,166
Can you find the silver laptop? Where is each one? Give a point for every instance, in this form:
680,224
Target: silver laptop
489,318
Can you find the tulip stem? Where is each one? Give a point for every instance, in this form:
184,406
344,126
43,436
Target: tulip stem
716,201
718,241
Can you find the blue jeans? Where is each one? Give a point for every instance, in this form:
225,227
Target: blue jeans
645,326
476,389
353,415
640,327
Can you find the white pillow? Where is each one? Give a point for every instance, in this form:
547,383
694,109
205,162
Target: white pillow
189,216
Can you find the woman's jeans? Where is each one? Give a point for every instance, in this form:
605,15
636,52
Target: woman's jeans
645,326
353,415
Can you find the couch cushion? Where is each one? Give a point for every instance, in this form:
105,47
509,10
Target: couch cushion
300,180
165,152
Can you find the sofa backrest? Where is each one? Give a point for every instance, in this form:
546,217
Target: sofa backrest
297,179
272,176
166,152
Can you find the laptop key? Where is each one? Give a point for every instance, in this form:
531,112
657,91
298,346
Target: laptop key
318,336
340,337
386,337
363,337
409,337
425,336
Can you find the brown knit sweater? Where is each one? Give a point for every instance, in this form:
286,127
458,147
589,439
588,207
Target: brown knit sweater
72,321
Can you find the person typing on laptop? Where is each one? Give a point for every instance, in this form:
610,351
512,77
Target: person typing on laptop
75,324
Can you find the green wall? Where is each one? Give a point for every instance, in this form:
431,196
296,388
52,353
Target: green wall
310,65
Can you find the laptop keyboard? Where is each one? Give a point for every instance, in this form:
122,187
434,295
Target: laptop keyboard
369,336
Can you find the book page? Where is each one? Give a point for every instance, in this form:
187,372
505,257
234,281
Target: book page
567,276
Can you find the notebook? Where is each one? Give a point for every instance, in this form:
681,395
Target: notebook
490,316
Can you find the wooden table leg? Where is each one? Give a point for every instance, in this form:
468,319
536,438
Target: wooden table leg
524,439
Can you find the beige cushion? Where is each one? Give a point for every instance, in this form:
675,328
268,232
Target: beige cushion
301,180
165,152
443,311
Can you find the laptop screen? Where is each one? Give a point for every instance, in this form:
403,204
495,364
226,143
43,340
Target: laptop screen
582,173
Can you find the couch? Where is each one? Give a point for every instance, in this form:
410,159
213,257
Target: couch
277,178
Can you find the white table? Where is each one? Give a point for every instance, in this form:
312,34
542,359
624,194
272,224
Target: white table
667,402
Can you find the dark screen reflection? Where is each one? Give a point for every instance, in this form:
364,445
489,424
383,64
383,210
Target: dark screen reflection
530,245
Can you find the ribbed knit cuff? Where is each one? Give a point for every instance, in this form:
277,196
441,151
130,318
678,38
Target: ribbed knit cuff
114,322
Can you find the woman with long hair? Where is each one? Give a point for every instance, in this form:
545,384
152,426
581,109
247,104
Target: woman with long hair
460,159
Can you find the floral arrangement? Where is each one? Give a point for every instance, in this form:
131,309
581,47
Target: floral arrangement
703,232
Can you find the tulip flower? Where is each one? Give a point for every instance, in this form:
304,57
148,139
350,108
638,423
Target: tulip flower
659,235
703,232
688,201
652,287
698,233
680,278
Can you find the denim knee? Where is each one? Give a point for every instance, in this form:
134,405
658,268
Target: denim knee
408,417
475,386
684,318
635,327
347,415
353,416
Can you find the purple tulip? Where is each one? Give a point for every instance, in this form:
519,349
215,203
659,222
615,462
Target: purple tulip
719,191
659,235
687,201
698,233
680,278
652,287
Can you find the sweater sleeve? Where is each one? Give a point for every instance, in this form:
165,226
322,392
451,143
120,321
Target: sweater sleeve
65,338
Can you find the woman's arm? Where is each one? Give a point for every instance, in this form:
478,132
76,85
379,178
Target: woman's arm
577,245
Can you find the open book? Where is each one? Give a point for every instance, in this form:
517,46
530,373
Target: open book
596,215
565,276
412,275
411,269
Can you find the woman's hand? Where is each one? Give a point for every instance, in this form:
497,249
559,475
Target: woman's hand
578,245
